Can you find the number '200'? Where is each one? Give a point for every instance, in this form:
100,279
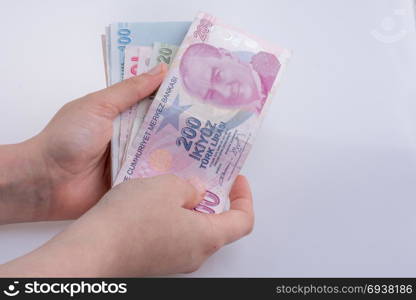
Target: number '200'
188,133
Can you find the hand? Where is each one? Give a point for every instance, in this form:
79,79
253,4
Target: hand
69,159
142,227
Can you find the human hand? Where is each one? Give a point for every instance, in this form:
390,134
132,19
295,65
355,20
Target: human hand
143,227
68,161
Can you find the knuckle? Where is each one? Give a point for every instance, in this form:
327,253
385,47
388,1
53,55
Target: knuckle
106,110
71,105
97,104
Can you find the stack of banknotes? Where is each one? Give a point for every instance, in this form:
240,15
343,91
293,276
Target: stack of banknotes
201,123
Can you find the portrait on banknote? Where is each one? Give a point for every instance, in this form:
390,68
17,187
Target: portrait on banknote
228,79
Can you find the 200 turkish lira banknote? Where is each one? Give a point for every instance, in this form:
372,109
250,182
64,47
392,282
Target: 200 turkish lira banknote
202,122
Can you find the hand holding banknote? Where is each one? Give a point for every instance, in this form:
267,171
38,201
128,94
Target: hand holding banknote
143,227
69,160
172,157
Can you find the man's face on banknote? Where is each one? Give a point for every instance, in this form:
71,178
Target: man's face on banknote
215,75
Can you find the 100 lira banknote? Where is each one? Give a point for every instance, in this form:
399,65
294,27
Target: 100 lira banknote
203,120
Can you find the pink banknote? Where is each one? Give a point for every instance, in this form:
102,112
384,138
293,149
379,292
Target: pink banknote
203,120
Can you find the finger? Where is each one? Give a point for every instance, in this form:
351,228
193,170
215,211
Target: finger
240,196
178,190
120,96
237,222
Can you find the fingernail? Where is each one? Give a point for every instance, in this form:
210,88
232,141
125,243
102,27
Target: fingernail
155,70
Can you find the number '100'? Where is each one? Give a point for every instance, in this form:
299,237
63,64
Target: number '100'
124,36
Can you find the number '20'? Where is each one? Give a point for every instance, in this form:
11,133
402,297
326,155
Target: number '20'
164,55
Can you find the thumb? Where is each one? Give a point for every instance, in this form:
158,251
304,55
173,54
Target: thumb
120,96
239,220
179,191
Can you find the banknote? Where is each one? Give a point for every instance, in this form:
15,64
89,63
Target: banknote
120,35
132,56
104,50
106,54
136,110
203,120
160,52
155,57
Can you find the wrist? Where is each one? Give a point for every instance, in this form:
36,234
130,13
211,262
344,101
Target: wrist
89,247
93,246
105,243
24,183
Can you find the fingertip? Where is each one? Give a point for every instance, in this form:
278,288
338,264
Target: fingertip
164,67
240,189
241,199
158,71
241,180
164,71
150,80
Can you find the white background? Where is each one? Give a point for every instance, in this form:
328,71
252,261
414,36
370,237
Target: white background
333,169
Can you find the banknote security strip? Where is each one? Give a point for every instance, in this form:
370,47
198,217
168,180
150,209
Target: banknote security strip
203,120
